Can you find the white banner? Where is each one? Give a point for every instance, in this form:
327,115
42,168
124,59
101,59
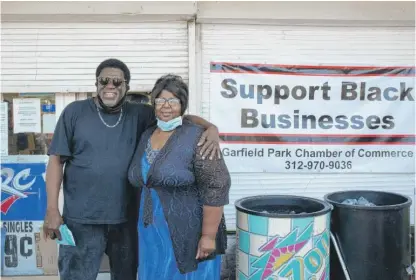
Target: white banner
288,118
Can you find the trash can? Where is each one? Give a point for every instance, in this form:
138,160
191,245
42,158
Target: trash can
373,240
282,237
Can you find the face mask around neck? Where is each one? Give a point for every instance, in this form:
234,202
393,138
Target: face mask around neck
169,125
113,109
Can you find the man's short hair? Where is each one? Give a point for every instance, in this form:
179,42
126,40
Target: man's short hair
114,63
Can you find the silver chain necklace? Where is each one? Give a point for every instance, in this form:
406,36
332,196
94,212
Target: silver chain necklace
110,126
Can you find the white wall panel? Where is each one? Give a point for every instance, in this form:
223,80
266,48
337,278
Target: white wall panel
321,45
62,57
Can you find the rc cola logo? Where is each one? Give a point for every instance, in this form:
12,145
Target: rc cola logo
23,206
23,191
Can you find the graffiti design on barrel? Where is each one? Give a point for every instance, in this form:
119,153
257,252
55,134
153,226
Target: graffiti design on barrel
282,237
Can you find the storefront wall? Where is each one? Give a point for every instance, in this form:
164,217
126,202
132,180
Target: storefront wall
303,33
62,57
59,56
303,45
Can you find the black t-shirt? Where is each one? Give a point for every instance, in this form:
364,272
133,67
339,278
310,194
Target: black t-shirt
97,157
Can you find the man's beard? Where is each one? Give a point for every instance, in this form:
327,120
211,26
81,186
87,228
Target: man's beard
111,109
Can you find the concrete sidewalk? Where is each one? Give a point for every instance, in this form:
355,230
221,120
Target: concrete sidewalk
227,271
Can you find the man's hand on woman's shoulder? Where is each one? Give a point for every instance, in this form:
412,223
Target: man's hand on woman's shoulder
210,142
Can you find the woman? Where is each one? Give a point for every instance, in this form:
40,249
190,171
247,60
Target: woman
181,222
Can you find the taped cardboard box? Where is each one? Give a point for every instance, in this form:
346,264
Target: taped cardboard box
47,256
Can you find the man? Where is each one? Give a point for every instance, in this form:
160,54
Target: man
95,140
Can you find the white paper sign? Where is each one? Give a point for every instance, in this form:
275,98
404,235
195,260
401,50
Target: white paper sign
20,253
4,129
302,118
26,115
48,123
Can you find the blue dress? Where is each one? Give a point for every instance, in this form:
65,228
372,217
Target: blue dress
156,254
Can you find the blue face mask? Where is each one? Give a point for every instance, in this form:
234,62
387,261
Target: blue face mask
169,125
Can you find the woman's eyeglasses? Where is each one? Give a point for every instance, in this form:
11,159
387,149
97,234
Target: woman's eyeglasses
170,101
106,80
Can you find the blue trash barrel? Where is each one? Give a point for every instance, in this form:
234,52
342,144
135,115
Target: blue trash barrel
374,240
282,237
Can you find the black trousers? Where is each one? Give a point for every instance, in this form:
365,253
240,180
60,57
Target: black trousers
83,261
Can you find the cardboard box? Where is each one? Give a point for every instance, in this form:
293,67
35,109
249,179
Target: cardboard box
47,256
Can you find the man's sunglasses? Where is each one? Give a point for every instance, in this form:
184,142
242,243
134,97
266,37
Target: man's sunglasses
106,80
